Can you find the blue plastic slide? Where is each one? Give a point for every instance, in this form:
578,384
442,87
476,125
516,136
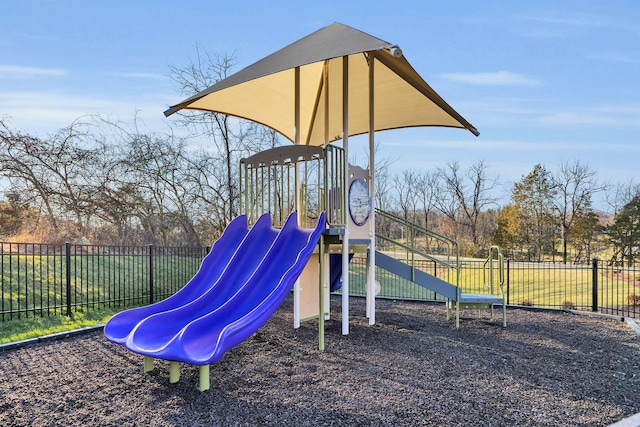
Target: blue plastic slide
250,288
120,325
335,271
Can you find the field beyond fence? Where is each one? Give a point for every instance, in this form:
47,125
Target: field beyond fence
48,279
596,287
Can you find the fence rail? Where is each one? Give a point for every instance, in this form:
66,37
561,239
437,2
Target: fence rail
47,279
597,287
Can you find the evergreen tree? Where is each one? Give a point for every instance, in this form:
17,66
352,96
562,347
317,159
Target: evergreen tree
533,196
624,233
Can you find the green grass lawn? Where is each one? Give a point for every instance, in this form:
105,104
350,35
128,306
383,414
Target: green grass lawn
34,327
541,286
34,288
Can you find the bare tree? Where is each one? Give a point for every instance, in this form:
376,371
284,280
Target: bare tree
382,187
19,168
227,139
619,194
405,186
54,173
463,197
427,189
576,184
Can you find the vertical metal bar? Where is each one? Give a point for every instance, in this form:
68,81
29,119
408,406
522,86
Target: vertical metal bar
116,273
111,279
2,277
241,195
10,281
94,280
372,215
321,291
44,272
262,192
68,266
150,274
508,281
84,263
594,285
251,201
327,204
319,195
345,200
297,200
22,262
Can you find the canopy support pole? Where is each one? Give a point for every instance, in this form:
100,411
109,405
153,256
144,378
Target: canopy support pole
372,219
296,141
345,195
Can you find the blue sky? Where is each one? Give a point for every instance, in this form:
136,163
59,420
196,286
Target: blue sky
544,82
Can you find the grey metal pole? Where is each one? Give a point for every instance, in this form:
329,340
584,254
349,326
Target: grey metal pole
345,195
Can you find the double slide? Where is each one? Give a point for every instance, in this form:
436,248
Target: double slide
240,284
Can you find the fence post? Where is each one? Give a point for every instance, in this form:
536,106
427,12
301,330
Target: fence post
594,285
150,274
68,269
508,282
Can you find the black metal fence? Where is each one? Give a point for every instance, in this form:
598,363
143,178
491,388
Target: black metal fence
47,279
596,287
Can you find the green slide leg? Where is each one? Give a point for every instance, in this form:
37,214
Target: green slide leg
174,372
205,381
148,364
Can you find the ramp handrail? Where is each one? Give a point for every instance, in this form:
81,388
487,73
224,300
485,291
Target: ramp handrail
450,259
494,260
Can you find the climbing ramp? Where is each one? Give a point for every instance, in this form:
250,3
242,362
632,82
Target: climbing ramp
419,243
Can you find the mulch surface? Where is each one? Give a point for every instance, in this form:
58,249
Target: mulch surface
411,368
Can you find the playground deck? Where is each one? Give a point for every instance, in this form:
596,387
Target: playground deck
411,368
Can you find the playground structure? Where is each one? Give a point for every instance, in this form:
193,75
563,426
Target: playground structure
309,209
249,271
281,179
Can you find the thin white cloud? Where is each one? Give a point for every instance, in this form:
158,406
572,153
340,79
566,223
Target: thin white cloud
573,21
141,75
496,145
21,72
498,78
602,116
508,111
42,113
616,57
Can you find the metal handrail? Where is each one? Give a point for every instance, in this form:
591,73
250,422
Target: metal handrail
452,245
416,251
495,254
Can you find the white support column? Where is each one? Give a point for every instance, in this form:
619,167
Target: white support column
372,219
345,195
296,141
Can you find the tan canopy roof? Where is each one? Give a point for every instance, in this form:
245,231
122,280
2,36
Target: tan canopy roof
265,92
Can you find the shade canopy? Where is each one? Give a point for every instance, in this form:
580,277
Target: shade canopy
306,78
